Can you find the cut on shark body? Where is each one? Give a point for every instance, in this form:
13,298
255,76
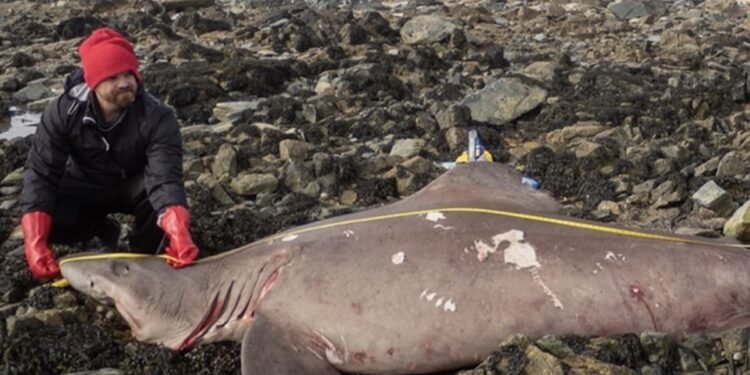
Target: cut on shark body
430,283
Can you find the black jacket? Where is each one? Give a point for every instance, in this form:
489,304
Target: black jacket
72,140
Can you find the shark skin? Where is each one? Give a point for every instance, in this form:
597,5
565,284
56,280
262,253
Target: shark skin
430,283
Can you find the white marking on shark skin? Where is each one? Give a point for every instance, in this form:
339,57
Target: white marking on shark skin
435,216
443,227
522,255
332,354
398,258
483,250
519,253
443,302
289,238
348,233
614,258
538,280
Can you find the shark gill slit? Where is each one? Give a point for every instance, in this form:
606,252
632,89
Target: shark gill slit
234,308
199,329
224,301
252,293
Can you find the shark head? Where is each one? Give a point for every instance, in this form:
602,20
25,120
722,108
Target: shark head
151,296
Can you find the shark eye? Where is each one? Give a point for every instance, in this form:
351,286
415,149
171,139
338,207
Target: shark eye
120,268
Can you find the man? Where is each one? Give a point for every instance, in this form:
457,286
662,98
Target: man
105,146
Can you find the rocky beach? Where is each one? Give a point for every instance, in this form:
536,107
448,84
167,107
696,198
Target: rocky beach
628,112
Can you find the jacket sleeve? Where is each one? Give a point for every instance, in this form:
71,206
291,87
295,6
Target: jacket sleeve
163,172
45,163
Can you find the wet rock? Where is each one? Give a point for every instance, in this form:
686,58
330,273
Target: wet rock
180,5
13,178
34,90
426,29
209,182
735,345
628,9
708,168
454,116
225,162
660,349
541,70
666,195
407,148
250,184
713,197
734,163
291,149
738,225
503,100
296,175
234,112
353,34
104,371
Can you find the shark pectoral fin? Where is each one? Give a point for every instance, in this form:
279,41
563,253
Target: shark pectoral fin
268,349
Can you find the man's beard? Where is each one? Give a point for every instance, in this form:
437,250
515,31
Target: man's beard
123,98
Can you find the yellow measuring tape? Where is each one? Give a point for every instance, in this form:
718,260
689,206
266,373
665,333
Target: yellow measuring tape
62,283
517,215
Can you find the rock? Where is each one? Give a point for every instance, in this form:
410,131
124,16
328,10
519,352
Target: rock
292,149
738,226
735,344
587,149
579,130
225,162
426,29
541,70
541,362
210,182
503,100
34,90
348,197
13,178
296,175
734,163
8,204
658,347
713,197
406,180
103,371
40,105
454,116
456,139
353,34
180,5
322,163
420,166
629,9
254,183
234,112
407,148
708,168
666,195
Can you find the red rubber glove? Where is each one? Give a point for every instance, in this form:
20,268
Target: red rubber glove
174,222
36,227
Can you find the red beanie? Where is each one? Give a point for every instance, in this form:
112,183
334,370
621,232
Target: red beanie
106,53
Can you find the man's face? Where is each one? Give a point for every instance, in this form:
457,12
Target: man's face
118,90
